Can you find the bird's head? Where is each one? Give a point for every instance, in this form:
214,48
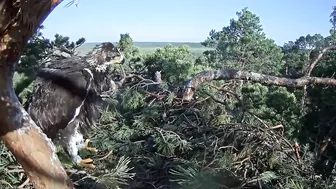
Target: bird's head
104,55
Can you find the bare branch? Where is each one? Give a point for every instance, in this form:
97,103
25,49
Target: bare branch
229,74
310,69
319,57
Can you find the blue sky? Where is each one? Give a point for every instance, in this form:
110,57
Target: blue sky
184,20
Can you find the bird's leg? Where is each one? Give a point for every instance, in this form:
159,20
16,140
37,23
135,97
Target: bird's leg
73,148
86,144
88,162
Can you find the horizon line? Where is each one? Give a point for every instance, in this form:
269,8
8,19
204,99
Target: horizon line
148,42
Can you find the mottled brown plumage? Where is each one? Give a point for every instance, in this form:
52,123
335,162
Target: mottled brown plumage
66,99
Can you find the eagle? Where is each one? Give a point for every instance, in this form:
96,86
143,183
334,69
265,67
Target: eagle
67,98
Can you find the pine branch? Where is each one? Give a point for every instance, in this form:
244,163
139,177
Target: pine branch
230,74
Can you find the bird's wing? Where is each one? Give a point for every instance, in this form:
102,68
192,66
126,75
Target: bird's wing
56,96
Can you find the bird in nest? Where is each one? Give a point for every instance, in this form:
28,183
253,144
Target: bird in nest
66,99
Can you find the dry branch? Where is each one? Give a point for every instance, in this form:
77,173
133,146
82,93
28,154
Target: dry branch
310,68
229,74
31,148
319,57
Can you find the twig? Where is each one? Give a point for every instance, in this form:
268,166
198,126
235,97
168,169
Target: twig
259,183
278,127
224,147
297,149
242,161
202,100
158,96
7,183
24,183
139,77
87,176
16,170
261,121
106,156
324,146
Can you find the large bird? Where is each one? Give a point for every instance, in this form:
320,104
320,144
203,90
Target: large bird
66,99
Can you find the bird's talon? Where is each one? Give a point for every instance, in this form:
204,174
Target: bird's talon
86,161
88,165
91,166
87,142
91,149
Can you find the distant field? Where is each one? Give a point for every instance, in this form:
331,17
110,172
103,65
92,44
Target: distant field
147,47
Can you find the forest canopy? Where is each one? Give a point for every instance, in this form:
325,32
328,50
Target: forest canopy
229,132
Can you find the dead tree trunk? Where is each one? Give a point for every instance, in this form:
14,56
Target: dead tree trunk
32,149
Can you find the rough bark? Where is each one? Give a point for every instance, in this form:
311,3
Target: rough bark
31,148
228,74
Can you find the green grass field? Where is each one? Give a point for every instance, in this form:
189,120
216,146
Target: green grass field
147,47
